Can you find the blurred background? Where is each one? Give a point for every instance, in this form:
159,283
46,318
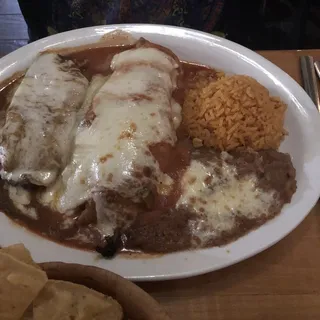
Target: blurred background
273,24
257,24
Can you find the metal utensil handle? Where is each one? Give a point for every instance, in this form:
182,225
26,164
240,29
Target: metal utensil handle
317,67
309,79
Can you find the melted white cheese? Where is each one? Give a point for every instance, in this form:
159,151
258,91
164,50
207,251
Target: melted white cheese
96,83
21,199
37,136
133,110
177,115
217,200
144,55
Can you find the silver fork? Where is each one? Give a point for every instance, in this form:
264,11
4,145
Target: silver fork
308,67
317,67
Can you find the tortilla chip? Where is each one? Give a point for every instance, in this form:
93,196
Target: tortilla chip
20,283
65,300
21,253
28,315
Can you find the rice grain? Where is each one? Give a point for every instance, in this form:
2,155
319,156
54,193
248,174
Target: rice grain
234,111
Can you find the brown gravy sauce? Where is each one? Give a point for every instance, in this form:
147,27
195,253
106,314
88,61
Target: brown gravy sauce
172,160
96,60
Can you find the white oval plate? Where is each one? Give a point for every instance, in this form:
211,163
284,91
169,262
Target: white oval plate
303,143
